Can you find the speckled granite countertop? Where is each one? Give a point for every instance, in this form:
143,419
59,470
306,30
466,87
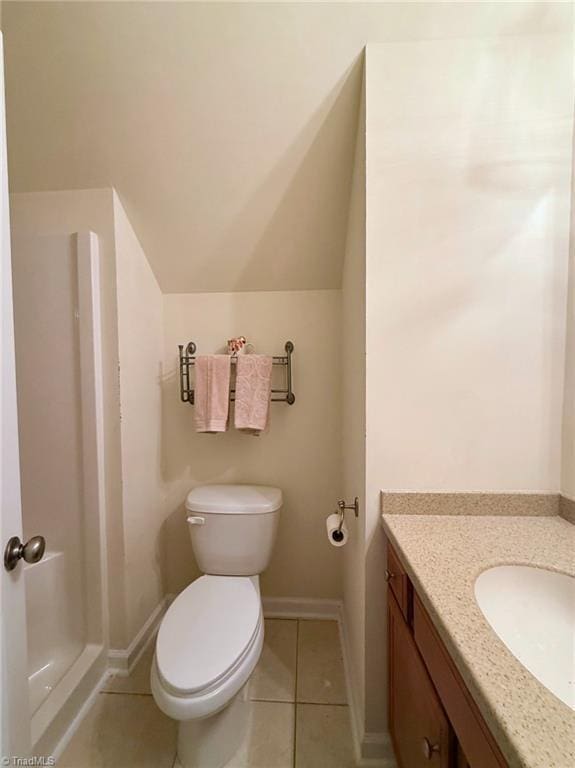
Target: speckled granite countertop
443,556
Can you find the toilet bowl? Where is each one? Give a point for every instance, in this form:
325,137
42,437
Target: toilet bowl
211,637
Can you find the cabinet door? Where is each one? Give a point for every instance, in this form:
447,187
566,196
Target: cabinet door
461,760
417,723
467,722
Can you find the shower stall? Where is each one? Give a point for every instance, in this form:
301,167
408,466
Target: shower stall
59,386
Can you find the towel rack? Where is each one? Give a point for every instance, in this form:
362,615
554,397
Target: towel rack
188,359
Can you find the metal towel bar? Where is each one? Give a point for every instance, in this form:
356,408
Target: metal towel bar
188,359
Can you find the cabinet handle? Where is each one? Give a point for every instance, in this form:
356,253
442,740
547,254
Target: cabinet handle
429,749
389,575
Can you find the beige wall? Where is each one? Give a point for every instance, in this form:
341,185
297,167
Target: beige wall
140,340
353,426
568,458
568,442
218,123
468,227
301,452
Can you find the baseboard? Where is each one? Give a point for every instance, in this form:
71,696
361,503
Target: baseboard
372,750
301,608
376,751
122,662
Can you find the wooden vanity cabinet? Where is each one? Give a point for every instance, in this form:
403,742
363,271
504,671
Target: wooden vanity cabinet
418,725
433,720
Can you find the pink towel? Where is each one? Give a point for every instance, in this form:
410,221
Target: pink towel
253,392
212,396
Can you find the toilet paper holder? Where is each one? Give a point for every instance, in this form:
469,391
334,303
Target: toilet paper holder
342,506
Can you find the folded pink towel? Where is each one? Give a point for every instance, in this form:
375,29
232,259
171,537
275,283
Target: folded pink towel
212,396
253,392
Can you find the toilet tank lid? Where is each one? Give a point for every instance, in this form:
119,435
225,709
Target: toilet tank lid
234,499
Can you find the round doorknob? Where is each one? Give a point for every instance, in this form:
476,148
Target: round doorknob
31,552
389,575
429,749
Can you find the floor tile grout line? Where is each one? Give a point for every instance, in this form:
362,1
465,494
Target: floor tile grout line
124,693
257,700
294,744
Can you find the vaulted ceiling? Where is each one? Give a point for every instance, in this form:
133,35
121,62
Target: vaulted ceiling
228,129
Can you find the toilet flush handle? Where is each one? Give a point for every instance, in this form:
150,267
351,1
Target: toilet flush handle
196,520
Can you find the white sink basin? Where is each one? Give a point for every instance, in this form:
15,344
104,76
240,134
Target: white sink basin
533,612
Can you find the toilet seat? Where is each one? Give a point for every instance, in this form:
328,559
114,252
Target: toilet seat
206,632
208,645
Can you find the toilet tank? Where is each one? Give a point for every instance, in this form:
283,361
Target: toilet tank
233,527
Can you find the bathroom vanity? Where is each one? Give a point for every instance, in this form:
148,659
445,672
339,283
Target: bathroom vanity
458,697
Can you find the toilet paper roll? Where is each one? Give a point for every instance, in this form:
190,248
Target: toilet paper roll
336,538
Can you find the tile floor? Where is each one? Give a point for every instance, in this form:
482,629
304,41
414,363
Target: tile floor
299,716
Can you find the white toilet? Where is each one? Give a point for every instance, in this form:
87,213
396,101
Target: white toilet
212,635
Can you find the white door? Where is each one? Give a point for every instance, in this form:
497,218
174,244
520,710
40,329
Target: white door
14,715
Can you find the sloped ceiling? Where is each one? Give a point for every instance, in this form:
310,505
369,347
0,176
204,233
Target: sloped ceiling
228,130
228,139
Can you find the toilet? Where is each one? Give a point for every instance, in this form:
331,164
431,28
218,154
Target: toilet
211,637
